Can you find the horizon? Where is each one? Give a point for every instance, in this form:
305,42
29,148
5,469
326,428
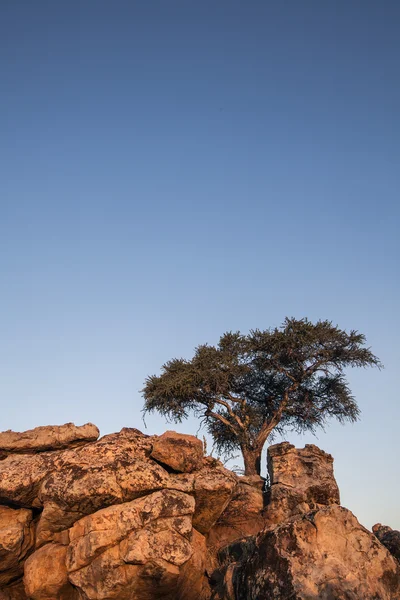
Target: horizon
174,172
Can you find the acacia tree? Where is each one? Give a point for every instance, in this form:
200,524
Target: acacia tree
250,386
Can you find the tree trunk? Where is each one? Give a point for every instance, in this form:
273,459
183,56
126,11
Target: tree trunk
252,461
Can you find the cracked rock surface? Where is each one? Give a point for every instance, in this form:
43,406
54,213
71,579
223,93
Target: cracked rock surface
324,554
388,537
85,518
137,517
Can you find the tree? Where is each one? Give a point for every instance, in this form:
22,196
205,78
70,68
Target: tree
250,386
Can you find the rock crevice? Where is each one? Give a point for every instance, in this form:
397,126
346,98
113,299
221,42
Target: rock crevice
131,516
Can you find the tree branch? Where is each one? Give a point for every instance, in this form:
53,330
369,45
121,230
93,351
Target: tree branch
234,399
230,411
269,425
283,371
218,417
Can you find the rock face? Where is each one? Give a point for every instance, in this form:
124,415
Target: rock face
300,480
243,516
389,538
16,541
47,438
138,547
121,517
309,548
137,517
182,453
324,554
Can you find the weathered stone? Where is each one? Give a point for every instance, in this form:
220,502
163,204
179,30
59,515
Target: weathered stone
15,591
21,476
182,482
301,479
52,437
115,520
243,516
325,554
180,452
192,582
55,521
113,470
255,481
388,537
138,547
46,575
16,541
213,490
111,525
73,491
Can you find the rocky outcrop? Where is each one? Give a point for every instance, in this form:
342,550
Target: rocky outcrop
14,591
41,439
138,547
16,541
309,548
131,507
388,537
242,516
69,484
300,480
324,554
182,453
130,516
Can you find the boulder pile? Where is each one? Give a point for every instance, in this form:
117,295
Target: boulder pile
137,517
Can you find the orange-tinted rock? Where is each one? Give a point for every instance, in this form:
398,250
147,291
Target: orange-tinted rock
52,437
46,576
183,453
325,554
193,583
243,516
113,470
139,547
137,517
21,477
16,541
14,591
388,537
213,489
72,483
301,479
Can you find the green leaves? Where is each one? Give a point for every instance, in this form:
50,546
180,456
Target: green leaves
291,377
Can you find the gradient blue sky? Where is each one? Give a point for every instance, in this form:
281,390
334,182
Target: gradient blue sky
173,170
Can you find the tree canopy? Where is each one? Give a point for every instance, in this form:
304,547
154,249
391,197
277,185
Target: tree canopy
250,386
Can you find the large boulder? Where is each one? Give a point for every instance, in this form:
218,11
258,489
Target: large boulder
32,456
15,591
182,453
242,516
113,518
16,542
213,490
46,576
21,476
145,548
323,555
301,479
132,516
66,485
119,468
52,437
388,537
71,483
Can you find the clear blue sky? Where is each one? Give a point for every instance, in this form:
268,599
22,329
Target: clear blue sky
173,170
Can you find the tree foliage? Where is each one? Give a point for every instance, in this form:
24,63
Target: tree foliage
250,386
